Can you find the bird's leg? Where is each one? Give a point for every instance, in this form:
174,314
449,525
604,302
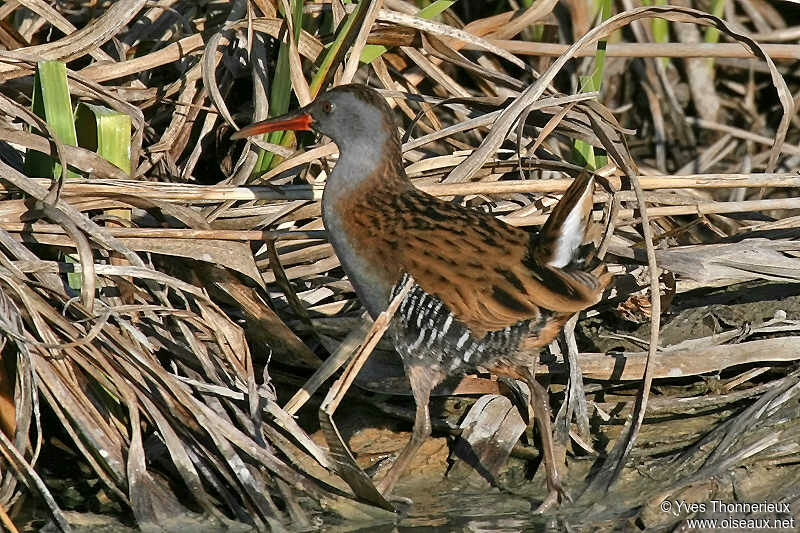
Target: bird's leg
422,383
540,402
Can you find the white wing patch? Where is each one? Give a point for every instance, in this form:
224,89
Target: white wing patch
570,234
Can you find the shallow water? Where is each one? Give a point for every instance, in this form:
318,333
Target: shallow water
490,511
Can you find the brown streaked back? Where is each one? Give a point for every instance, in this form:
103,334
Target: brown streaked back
485,271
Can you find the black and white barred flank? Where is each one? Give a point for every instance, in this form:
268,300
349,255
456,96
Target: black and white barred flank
424,328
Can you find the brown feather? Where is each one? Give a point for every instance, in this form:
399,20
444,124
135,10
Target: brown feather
482,269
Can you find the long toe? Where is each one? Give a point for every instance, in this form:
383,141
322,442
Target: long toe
385,487
552,500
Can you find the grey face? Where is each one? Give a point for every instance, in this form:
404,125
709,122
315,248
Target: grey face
355,117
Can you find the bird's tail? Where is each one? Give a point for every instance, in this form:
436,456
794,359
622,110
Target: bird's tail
564,241
564,248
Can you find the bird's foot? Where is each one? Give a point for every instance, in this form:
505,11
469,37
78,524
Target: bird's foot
556,496
399,501
551,500
386,484
382,486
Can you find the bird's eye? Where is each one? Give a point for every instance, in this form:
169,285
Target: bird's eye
327,106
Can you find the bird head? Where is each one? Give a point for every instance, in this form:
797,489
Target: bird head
354,116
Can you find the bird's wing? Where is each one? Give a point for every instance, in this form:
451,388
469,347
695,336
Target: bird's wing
489,274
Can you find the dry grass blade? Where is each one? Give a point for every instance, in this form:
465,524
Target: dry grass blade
338,358
685,50
748,259
14,458
171,53
534,92
448,31
721,448
77,43
18,400
360,40
174,193
347,468
536,12
678,363
162,379
299,83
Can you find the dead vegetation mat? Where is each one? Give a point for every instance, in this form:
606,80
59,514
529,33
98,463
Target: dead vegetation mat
209,294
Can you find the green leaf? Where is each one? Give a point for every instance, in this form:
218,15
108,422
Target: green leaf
51,101
335,52
659,26
335,49
281,90
74,279
106,132
718,10
712,34
584,152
